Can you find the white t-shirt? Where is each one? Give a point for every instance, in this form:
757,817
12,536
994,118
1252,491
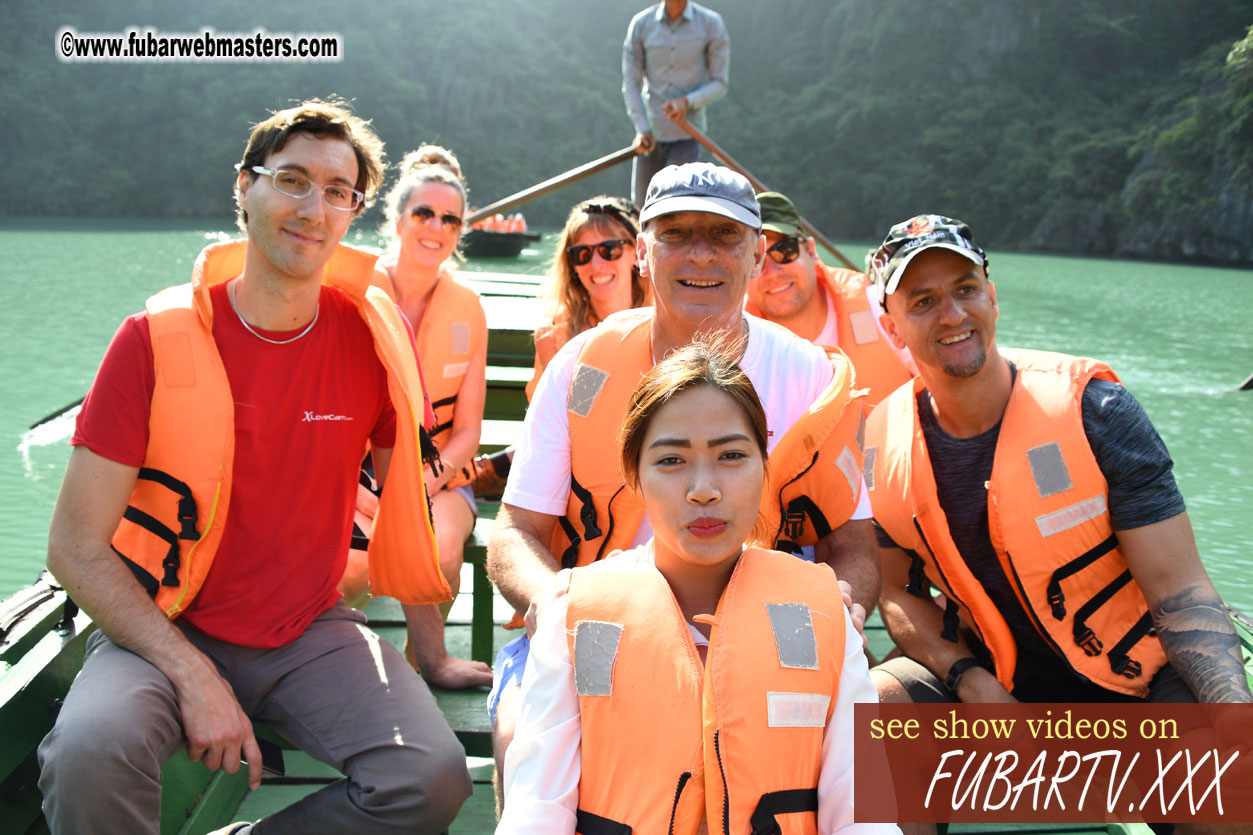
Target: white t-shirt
788,373
541,776
831,330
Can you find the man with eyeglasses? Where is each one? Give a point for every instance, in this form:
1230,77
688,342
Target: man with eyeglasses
831,307
206,512
1032,491
565,503
676,61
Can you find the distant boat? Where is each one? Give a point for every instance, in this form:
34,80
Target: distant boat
481,243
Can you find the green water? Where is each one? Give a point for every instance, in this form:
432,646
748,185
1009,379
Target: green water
1180,337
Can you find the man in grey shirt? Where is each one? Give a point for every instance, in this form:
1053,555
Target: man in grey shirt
677,57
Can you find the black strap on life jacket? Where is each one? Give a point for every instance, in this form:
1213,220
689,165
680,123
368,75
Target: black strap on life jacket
951,618
439,404
782,542
1119,661
784,802
587,513
600,552
147,580
570,556
919,585
359,541
1084,636
585,823
426,443
188,518
1057,600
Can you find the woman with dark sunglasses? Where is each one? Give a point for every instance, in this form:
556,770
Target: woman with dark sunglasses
594,274
423,220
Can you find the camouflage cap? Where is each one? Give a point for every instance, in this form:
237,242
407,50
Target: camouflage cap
887,264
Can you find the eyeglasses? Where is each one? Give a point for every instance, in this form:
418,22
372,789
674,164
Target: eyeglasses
608,250
294,184
425,213
785,250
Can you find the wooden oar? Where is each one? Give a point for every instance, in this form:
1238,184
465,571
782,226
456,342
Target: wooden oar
571,176
727,160
57,413
1247,385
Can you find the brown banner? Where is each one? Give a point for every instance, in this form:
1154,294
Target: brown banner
1054,763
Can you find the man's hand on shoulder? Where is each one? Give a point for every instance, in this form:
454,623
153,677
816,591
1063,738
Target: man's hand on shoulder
219,733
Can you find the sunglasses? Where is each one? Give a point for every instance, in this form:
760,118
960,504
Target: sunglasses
786,250
608,250
425,213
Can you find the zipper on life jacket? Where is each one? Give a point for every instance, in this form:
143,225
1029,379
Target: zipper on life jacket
726,795
951,612
674,810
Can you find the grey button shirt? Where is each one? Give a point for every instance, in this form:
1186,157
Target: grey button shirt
663,59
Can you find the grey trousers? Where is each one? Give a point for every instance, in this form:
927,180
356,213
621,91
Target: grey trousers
644,166
337,692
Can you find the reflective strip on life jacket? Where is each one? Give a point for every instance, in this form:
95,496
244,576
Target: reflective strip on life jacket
736,741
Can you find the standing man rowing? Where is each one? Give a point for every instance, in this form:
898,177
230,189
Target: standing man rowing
676,61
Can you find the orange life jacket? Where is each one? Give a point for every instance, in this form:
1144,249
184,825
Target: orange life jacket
814,471
549,338
179,507
1049,524
878,368
451,328
737,742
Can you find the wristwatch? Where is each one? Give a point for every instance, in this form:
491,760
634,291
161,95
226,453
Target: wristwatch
955,672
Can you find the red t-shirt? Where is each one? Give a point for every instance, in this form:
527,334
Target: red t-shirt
303,414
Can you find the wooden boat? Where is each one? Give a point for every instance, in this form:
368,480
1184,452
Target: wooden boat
484,243
42,642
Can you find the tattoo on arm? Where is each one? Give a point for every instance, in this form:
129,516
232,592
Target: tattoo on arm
1202,645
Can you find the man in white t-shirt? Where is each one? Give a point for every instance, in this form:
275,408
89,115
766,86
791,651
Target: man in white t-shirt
835,308
700,245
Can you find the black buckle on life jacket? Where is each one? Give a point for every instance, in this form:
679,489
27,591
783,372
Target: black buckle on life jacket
797,511
585,823
791,515
1057,600
1084,636
1119,661
777,803
1087,640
